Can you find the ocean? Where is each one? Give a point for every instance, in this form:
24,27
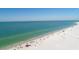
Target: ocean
13,32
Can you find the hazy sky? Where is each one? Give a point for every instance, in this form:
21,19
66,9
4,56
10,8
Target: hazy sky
37,14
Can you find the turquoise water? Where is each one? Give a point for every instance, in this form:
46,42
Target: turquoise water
13,32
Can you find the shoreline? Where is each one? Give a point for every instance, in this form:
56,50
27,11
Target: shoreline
22,45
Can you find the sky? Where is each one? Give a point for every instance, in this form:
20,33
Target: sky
38,14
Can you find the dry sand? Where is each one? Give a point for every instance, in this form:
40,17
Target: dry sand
65,39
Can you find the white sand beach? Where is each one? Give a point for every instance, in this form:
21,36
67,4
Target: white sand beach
65,39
